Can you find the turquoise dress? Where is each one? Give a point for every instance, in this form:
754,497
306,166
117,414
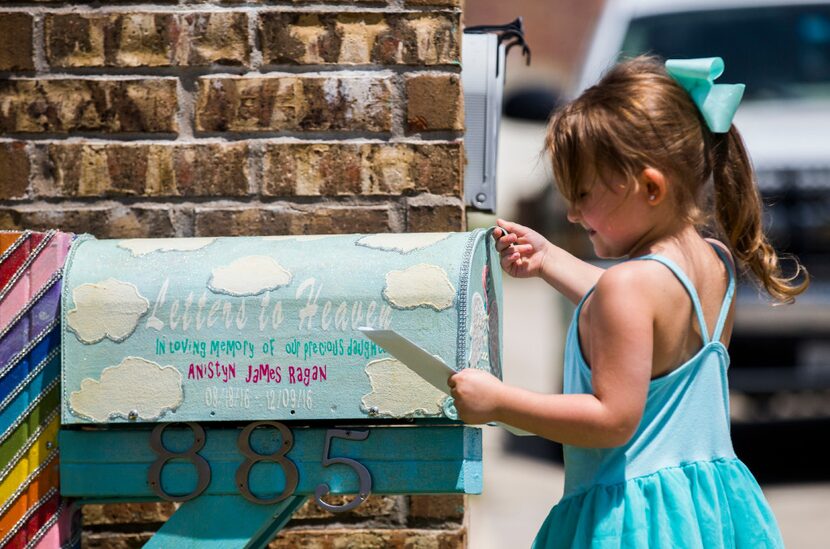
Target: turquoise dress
677,482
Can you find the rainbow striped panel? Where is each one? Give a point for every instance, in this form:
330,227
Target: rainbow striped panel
32,512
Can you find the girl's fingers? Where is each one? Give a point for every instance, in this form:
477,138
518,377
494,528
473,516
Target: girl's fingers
513,253
512,227
508,252
500,232
506,241
523,248
510,261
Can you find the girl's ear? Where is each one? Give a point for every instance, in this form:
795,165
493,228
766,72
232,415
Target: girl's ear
654,185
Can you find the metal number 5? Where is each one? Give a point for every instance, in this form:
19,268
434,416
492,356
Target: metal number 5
363,475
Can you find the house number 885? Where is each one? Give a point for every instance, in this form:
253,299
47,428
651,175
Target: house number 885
253,457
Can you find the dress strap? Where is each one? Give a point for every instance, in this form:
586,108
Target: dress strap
730,292
690,289
585,297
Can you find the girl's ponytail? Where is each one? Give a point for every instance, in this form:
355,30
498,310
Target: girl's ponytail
738,212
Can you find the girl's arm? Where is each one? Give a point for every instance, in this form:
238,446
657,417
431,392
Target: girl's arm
621,328
525,253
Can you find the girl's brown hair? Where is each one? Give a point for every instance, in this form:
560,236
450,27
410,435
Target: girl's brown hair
636,117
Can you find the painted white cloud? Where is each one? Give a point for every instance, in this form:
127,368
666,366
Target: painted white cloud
250,275
110,308
478,331
402,242
421,285
298,238
397,391
136,384
144,246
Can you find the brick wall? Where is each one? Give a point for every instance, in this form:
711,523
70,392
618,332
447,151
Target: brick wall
400,522
230,117
238,117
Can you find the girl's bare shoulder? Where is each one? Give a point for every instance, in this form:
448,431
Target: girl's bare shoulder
723,248
636,274
637,282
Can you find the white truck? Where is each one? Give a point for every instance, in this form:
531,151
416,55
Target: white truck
781,51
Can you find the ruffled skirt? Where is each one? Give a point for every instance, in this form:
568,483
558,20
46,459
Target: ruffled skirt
699,505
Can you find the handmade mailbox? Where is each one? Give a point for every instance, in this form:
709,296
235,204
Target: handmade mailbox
253,343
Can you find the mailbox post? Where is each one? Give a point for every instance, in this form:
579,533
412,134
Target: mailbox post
229,374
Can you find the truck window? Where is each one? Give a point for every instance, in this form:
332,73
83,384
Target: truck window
778,52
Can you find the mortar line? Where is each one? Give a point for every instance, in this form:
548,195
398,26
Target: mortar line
186,97
288,7
264,70
256,58
39,43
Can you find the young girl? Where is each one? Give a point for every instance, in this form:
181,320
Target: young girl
645,414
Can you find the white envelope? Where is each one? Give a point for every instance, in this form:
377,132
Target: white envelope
431,368
428,366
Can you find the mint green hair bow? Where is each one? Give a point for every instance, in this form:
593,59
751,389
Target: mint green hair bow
716,102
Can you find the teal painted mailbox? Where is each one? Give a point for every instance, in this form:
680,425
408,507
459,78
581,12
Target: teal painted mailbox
253,343
230,329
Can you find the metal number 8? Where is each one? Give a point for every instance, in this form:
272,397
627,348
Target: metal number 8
165,455
292,476
365,487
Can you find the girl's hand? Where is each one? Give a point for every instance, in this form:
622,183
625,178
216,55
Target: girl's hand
523,251
477,395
